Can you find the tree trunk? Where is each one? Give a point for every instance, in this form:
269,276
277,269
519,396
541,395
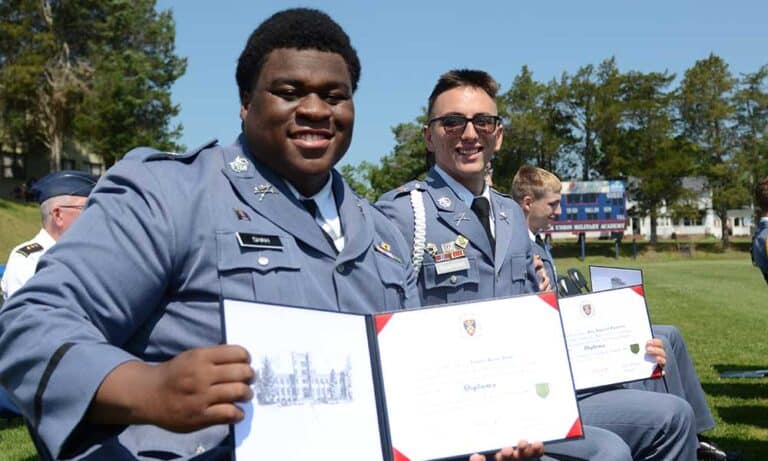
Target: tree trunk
654,222
723,215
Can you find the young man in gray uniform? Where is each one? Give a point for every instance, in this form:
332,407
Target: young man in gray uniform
115,342
760,239
537,191
470,243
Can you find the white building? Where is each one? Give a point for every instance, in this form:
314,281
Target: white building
706,223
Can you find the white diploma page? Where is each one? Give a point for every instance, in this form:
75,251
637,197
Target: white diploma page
314,393
476,377
606,334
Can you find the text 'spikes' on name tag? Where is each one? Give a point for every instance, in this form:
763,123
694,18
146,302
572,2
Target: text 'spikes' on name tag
259,241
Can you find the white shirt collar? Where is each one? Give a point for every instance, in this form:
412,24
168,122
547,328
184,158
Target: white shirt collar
44,239
329,215
531,235
764,219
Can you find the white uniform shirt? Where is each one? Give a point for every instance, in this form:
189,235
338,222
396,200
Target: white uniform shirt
22,262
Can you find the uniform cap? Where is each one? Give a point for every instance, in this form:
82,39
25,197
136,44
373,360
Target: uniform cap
65,182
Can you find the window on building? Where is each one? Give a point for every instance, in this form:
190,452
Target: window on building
593,216
67,164
93,168
13,166
697,220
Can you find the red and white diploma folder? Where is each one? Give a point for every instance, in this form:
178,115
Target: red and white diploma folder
420,384
606,334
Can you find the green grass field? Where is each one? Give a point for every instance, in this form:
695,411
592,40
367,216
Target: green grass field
717,299
18,222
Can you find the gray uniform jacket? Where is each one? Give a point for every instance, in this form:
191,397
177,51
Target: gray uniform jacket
546,258
507,272
141,275
760,247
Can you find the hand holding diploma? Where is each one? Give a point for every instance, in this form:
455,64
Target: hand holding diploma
655,348
522,451
538,265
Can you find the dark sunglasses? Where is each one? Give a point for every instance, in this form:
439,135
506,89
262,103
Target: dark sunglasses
456,124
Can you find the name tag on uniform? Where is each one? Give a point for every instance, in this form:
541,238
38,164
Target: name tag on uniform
259,241
453,265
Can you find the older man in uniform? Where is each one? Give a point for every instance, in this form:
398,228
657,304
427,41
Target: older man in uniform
760,239
537,191
116,339
62,196
470,242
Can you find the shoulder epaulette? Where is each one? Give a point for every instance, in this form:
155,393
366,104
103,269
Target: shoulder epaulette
148,154
501,193
404,190
27,250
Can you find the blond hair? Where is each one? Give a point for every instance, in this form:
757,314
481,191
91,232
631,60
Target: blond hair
534,182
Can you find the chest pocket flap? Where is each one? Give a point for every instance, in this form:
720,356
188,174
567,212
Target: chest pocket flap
455,279
518,267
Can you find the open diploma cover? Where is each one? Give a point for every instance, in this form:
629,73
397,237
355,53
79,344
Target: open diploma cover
606,334
410,385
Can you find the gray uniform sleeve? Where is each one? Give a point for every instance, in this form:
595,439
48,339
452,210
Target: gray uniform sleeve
62,332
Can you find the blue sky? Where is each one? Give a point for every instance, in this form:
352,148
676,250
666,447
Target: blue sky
405,45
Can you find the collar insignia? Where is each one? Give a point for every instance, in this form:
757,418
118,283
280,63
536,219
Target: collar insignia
239,164
263,189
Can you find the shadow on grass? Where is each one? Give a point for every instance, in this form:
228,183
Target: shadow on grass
752,415
10,423
743,388
753,450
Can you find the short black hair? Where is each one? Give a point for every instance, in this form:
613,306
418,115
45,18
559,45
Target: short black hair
296,28
463,77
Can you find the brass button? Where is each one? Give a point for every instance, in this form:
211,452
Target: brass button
454,279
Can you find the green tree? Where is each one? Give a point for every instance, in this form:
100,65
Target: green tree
590,108
648,153
706,114
535,129
751,103
407,161
96,73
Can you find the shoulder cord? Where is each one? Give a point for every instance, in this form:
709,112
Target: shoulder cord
419,229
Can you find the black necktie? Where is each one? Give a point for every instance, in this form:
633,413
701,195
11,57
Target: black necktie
311,206
482,209
540,242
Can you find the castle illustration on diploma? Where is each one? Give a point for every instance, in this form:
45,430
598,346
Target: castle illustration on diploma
299,381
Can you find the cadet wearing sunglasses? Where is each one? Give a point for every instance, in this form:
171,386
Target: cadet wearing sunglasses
441,213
